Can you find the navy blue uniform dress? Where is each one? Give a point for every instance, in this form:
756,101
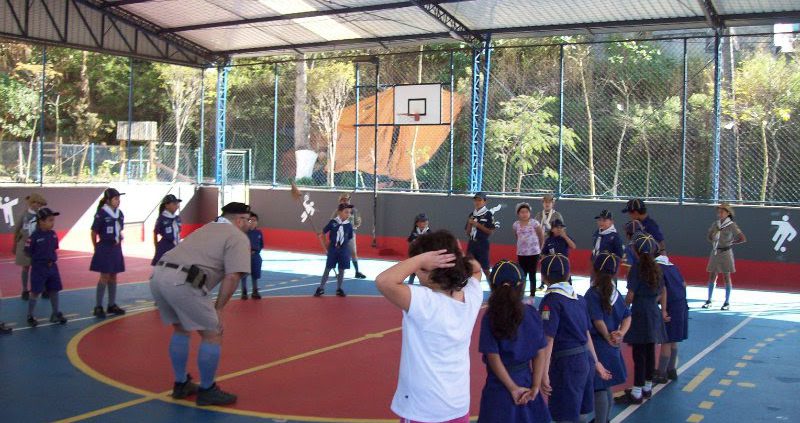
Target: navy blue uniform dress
647,325
107,256
497,405
611,242
41,247
677,307
566,320
169,228
478,245
256,245
651,227
338,251
609,355
555,245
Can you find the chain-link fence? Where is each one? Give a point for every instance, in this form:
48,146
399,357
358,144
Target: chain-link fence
610,117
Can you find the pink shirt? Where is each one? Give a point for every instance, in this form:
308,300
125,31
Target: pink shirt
528,242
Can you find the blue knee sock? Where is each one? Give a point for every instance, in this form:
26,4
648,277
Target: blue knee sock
728,287
179,355
710,290
207,361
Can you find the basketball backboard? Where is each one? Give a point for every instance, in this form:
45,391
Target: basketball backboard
418,104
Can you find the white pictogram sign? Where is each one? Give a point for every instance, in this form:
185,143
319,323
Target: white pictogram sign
7,205
308,208
785,233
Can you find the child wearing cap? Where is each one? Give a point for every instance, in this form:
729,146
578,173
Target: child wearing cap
480,225
355,221
678,326
557,241
341,232
167,232
512,343
637,210
611,319
256,245
723,234
605,237
645,292
421,227
632,228
438,319
41,247
24,227
571,358
548,214
530,236
107,259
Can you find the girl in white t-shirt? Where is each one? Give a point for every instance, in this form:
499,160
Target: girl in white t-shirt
438,318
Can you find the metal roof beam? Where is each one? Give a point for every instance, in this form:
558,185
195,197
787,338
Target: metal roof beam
124,3
455,28
339,43
300,15
712,17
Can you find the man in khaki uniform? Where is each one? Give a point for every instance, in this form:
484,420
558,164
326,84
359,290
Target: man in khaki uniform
217,253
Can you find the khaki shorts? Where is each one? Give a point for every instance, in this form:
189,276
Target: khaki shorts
180,303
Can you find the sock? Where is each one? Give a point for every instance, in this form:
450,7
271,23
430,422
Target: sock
54,301
340,279
648,385
355,264
244,285
112,293
31,305
601,406
662,361
324,278
179,355
728,288
673,358
24,276
710,290
636,391
207,361
255,284
101,292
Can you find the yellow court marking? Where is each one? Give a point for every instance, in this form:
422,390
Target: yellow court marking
761,345
746,384
733,373
725,382
706,405
697,380
695,418
741,365
769,339
716,392
753,350
747,357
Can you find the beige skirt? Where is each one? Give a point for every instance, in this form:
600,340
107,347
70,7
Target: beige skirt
721,262
21,259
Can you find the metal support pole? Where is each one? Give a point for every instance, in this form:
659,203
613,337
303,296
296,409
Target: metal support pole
480,97
452,97
487,66
202,146
40,144
91,160
358,120
275,129
560,188
375,159
141,160
682,194
222,104
474,102
130,119
717,116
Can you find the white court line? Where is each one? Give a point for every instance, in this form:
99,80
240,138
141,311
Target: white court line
699,356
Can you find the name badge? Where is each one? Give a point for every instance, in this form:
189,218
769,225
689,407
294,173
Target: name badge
110,230
168,230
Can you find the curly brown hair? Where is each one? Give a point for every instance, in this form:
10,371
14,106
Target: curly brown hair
449,279
604,282
505,310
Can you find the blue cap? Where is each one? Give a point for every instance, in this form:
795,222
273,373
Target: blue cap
481,195
170,198
555,267
557,223
110,193
636,205
644,243
633,227
44,213
606,262
422,217
605,214
506,272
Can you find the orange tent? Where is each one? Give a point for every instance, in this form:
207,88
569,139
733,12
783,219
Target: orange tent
394,142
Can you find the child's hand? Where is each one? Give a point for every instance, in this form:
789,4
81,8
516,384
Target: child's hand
546,388
431,260
665,316
531,395
601,371
519,394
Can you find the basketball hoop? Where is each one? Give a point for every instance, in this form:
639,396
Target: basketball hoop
416,116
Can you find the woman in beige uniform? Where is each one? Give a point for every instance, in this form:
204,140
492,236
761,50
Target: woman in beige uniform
723,234
23,229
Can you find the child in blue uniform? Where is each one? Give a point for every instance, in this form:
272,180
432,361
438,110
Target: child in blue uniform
605,237
41,246
107,259
512,343
480,225
167,233
645,291
678,326
637,210
611,319
341,231
256,245
557,241
421,227
571,357
632,228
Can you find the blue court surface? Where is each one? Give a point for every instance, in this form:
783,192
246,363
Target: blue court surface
736,366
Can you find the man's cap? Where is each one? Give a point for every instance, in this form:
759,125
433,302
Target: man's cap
170,198
110,193
548,197
344,195
422,217
344,206
481,195
635,205
236,208
44,213
36,198
555,267
557,223
606,262
506,272
605,214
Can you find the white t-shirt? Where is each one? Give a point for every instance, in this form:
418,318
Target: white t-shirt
434,382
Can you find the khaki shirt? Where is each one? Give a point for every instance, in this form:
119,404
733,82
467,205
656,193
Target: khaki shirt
554,215
217,248
726,236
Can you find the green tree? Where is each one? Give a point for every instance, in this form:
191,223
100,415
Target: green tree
330,84
654,122
183,87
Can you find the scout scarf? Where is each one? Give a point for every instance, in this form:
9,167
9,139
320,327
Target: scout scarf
477,213
720,226
420,232
563,288
340,231
663,260
614,294
546,218
29,226
600,234
223,220
176,228
115,214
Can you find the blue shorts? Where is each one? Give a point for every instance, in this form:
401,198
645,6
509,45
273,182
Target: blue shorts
572,380
45,278
338,257
480,253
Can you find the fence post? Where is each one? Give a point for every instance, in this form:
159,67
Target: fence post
202,126
275,130
358,120
452,127
91,161
375,158
40,144
130,119
560,120
717,115
222,104
682,194
141,160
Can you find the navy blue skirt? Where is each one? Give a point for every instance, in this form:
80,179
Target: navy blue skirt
162,247
497,406
255,265
678,326
647,324
612,360
107,258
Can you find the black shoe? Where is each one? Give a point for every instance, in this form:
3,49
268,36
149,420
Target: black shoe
707,304
319,292
340,293
244,295
115,310
628,398
659,380
647,394
25,295
360,275
725,307
185,389
256,295
45,294
541,287
5,330
32,321
214,396
58,318
99,312
672,374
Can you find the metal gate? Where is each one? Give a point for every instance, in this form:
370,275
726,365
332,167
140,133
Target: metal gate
236,175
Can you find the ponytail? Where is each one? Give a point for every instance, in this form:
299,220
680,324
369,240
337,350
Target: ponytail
505,310
161,208
649,270
101,204
605,286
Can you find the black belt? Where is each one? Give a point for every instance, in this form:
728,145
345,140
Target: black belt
570,351
519,366
177,267
723,248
